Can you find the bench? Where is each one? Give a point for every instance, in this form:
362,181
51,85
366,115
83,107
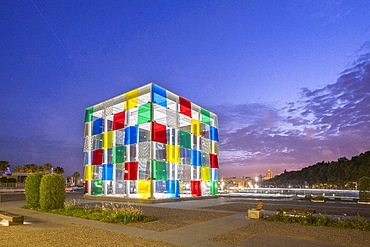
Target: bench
296,212
257,212
9,219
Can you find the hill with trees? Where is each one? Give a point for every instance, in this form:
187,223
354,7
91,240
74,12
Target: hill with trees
341,174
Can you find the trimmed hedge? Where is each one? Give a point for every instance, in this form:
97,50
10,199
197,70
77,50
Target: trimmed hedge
52,194
364,188
32,188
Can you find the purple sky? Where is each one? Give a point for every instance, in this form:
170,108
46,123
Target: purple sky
290,80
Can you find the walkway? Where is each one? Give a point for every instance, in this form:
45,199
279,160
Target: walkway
192,235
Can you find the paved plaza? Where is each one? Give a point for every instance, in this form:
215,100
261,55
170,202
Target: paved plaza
227,227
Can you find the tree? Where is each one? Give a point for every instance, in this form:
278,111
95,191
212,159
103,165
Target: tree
47,167
59,170
4,165
76,175
19,169
30,167
364,188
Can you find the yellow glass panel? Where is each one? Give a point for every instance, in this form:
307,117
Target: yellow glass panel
205,174
132,99
108,139
214,147
86,129
195,127
181,190
144,187
88,173
173,153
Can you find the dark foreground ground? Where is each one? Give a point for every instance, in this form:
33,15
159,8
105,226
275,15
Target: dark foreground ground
211,222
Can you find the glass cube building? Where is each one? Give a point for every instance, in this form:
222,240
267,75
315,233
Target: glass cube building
150,143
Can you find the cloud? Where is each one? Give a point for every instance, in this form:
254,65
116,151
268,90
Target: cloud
325,124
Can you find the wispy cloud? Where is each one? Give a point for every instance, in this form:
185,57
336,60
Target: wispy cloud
325,124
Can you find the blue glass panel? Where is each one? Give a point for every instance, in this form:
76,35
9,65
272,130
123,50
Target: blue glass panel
86,158
173,187
159,95
107,172
214,174
131,134
196,158
98,126
159,186
214,133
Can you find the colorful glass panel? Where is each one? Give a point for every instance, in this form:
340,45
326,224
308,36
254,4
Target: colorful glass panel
108,139
145,113
214,133
119,120
205,174
131,135
173,154
119,154
196,158
185,139
98,126
107,172
89,114
185,106
88,171
196,189
195,127
214,160
159,133
97,157
132,99
205,116
159,170
131,170
159,95
144,187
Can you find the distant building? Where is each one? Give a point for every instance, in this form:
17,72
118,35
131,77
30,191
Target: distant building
268,175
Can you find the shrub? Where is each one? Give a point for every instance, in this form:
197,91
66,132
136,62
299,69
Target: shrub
107,212
356,222
32,188
364,188
52,194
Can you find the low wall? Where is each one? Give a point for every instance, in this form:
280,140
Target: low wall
7,197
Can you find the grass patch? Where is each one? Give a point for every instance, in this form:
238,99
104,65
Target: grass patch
356,222
106,212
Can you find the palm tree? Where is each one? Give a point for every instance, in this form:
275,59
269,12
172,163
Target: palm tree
47,167
19,169
75,176
59,170
30,167
4,165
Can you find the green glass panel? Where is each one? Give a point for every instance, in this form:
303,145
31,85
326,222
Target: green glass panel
185,139
159,170
145,114
97,188
213,188
206,116
119,154
89,114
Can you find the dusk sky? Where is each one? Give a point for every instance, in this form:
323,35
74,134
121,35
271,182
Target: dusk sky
289,80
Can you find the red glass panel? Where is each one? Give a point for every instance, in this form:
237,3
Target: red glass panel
119,120
159,133
131,170
214,160
196,189
97,157
185,107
